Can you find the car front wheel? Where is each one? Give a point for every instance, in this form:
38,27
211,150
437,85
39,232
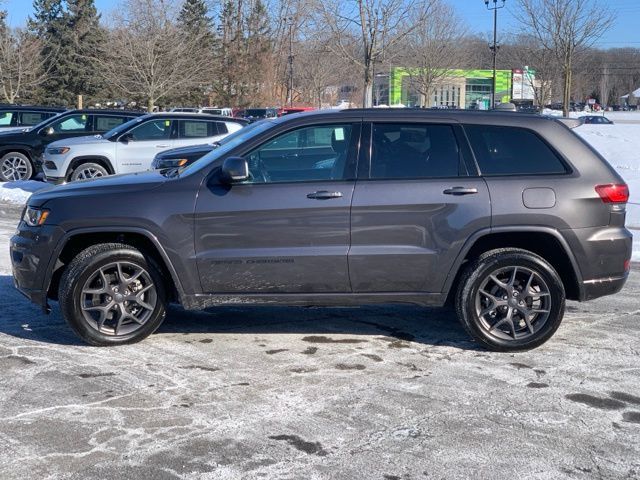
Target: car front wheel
510,300
112,294
87,171
15,166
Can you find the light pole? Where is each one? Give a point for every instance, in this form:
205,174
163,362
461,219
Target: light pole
494,48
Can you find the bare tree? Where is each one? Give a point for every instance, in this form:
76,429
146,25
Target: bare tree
434,49
564,27
148,57
21,65
364,31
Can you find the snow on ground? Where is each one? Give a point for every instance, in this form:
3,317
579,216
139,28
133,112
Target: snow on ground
620,145
19,192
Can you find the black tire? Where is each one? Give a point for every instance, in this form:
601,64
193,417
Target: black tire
83,311
506,318
15,166
88,170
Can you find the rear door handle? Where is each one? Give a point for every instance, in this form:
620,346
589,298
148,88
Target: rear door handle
460,191
324,195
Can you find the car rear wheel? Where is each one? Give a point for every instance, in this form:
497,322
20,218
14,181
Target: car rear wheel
510,300
15,166
86,171
112,294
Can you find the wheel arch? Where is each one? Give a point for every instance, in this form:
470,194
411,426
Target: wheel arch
99,159
545,242
76,241
23,149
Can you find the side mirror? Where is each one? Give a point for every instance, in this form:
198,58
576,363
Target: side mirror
235,169
126,138
45,132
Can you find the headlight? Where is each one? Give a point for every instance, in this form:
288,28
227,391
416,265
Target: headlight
34,217
58,150
169,163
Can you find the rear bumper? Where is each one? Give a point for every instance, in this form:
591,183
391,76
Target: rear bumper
603,255
601,287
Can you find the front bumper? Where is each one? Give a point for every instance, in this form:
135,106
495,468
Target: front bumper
54,180
32,250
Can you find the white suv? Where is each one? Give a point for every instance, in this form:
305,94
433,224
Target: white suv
131,146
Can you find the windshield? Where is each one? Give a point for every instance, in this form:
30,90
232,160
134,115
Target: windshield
228,143
114,132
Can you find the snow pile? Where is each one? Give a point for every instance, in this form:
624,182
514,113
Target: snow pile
20,191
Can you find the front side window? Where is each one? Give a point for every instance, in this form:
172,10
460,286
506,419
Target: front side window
72,123
5,119
414,150
312,153
512,151
151,130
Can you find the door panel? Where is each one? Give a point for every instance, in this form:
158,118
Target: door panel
142,144
414,209
405,235
271,238
285,230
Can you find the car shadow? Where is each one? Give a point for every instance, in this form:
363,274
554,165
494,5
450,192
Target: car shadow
430,326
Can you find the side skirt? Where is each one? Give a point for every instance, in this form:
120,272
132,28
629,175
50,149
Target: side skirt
199,302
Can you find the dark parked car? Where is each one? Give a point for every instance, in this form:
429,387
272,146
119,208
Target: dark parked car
21,151
181,157
595,119
255,114
505,215
16,117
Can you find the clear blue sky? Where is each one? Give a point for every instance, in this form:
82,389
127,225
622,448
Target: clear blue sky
625,31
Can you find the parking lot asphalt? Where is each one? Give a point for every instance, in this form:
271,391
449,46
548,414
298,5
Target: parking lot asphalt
387,392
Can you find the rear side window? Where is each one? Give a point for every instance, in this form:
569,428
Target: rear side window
414,150
512,151
106,123
32,118
198,128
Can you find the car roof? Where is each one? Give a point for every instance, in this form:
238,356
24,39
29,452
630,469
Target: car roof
105,111
38,108
197,116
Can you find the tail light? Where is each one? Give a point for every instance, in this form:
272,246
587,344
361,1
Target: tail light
613,192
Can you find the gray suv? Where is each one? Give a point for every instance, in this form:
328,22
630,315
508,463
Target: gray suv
505,215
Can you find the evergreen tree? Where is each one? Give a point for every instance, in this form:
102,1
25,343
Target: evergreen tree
49,24
194,19
87,37
197,25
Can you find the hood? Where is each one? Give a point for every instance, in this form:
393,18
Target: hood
14,129
193,149
99,186
68,142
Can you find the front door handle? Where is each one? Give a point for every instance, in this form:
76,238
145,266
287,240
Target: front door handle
460,191
162,146
324,195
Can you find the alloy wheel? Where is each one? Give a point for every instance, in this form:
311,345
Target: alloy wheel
513,303
118,298
15,168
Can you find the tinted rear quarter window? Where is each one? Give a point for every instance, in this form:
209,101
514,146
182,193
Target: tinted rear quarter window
512,151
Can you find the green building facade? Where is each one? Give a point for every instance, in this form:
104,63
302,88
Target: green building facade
460,88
